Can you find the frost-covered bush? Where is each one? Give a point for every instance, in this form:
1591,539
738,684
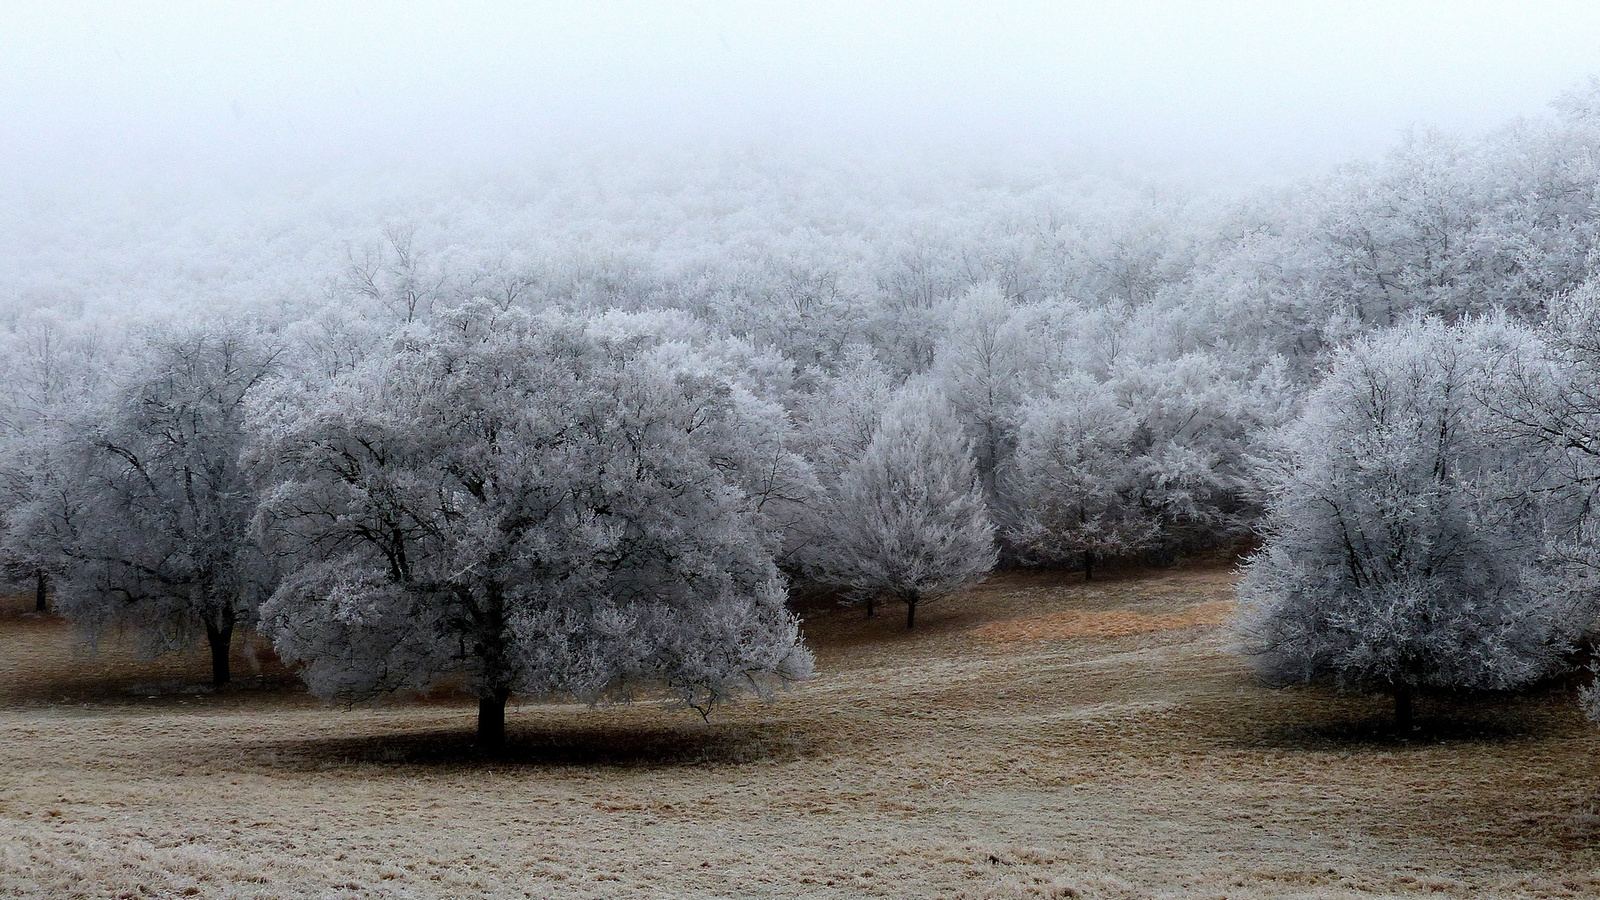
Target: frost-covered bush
1148,461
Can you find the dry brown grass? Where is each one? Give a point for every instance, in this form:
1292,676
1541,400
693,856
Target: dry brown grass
1103,623
1035,737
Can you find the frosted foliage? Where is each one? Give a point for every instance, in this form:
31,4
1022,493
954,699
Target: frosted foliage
1554,401
1116,347
1198,417
758,445
1150,459
981,363
47,364
1406,532
1554,396
48,368
908,519
146,504
397,278
518,503
1076,480
840,414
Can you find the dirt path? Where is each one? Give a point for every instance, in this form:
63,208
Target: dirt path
1035,737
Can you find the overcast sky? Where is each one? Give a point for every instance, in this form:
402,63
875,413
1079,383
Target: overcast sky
1246,86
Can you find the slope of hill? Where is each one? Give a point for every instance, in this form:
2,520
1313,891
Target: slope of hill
1037,736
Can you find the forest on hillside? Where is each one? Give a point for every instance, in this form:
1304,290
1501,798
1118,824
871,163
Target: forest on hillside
581,425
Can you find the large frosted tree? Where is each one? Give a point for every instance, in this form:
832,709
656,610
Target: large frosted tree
145,506
908,518
1407,528
531,509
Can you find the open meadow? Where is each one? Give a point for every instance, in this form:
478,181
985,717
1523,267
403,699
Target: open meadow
1035,737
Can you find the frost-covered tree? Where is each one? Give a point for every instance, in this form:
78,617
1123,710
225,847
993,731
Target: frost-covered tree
1406,530
399,278
1075,480
840,414
1553,400
1148,461
908,519
527,507
146,505
49,367
1198,416
836,414
33,474
980,364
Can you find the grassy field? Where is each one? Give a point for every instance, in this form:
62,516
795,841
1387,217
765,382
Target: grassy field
1036,737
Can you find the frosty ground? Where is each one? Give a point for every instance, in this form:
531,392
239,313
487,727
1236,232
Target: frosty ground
1036,736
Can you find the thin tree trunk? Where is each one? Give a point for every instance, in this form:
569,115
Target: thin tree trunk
41,596
492,720
911,611
221,640
872,601
1088,565
1402,708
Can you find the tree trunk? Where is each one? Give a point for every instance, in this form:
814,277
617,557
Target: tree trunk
493,652
911,611
221,640
1088,565
1402,708
871,602
41,596
492,720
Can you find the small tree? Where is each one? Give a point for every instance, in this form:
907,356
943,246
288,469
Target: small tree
1405,531
30,477
526,507
49,369
146,507
399,277
909,518
980,364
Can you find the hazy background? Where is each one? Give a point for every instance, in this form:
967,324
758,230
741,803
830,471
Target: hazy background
91,90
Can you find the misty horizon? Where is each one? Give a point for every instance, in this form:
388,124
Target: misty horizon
1247,90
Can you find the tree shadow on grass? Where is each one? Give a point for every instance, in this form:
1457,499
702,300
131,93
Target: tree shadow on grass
156,690
1319,720
595,746
1382,732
